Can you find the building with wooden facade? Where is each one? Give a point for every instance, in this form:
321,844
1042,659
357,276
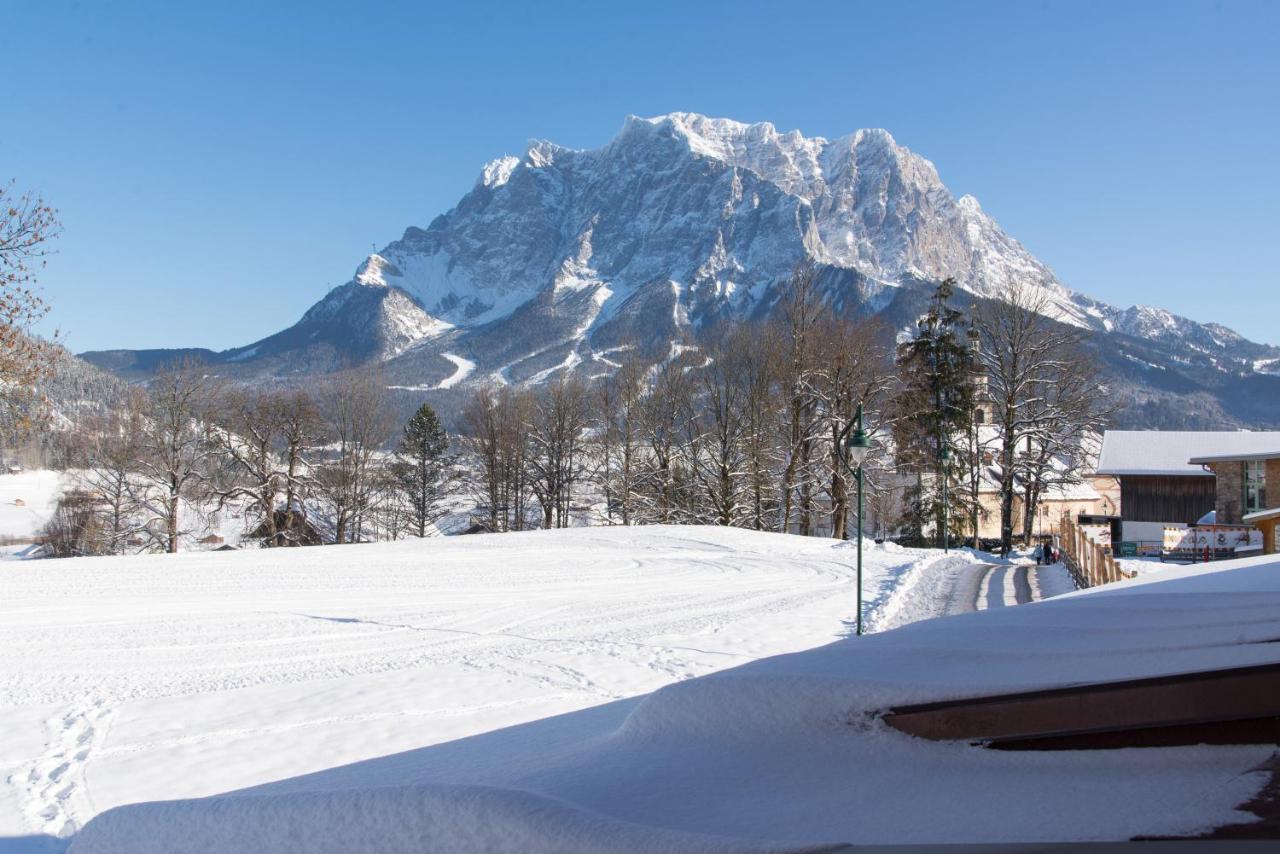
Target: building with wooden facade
1163,480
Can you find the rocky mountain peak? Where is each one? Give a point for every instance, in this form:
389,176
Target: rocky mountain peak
559,257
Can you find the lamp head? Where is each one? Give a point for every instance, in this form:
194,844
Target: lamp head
856,447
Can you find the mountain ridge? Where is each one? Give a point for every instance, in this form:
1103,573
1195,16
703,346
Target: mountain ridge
560,256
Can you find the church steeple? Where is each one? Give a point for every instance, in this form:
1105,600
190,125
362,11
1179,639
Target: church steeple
981,394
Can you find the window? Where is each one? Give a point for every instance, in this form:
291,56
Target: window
1255,484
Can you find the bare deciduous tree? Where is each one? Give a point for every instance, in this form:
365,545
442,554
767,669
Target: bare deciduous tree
801,424
359,422
619,398
27,225
175,447
301,433
1041,390
660,483
249,438
854,369
107,473
559,419
718,430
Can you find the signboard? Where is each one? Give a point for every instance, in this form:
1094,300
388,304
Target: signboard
1215,538
1100,534
1127,549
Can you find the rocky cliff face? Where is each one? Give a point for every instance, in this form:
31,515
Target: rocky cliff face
559,258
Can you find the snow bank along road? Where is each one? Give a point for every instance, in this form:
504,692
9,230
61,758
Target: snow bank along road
148,678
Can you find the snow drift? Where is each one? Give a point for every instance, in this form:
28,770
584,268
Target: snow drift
790,751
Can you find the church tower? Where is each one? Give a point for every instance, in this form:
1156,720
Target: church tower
981,393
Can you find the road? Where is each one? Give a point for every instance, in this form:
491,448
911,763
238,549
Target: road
991,585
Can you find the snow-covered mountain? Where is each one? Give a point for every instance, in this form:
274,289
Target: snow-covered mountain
559,258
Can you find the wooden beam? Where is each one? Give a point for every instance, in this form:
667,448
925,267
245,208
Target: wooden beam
1231,706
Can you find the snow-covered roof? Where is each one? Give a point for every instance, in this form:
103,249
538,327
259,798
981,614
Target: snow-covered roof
1272,453
1262,515
1171,452
1082,491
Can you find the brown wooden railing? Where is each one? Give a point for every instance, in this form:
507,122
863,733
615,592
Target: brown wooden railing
1089,562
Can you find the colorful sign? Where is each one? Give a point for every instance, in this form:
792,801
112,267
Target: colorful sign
1215,538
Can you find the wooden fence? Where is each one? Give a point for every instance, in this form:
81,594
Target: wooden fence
1089,562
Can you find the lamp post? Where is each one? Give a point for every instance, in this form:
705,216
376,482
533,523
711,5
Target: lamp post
944,454
853,448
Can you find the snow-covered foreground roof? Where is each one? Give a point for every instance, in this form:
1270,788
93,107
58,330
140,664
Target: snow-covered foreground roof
143,678
1168,452
789,752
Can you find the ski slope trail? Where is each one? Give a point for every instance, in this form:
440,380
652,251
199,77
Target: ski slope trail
144,678
462,370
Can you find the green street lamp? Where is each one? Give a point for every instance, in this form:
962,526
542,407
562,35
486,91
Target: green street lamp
944,454
853,447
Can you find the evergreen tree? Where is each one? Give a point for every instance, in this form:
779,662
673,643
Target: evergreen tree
934,404
419,466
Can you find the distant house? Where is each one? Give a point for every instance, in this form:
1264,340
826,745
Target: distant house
1248,487
1161,481
211,540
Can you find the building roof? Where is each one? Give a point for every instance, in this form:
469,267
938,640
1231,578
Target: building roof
1239,456
1262,515
1174,453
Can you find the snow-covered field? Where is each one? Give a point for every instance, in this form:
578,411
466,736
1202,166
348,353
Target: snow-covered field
27,500
532,692
158,677
788,753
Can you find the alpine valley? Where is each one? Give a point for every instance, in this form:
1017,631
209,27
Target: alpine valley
564,260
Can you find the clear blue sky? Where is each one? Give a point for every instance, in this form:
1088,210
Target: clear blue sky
218,166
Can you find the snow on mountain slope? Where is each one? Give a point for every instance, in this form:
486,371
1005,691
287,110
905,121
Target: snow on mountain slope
679,222
716,205
880,208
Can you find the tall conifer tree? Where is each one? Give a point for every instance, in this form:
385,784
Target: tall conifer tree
934,404
419,466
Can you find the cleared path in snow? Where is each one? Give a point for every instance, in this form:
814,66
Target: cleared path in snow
979,586
1002,585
